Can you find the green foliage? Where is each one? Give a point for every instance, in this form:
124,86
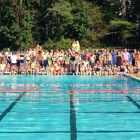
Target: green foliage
63,44
123,27
49,44
61,10
88,23
56,23
115,3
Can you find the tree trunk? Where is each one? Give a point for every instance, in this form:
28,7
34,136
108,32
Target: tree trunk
123,8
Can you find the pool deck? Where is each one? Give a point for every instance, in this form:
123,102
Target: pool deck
134,76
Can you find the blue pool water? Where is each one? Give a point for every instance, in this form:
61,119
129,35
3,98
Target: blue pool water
69,108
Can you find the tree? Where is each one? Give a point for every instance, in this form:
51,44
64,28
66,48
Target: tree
55,23
61,11
17,21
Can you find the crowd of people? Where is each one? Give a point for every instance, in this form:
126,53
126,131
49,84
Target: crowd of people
73,61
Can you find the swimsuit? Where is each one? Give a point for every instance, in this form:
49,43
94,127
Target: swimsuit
61,62
47,69
122,70
18,62
22,58
8,65
98,69
109,63
45,63
40,62
67,59
57,71
49,60
27,57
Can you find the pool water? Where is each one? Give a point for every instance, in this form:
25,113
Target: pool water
69,108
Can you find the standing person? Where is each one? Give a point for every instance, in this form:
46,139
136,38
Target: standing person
114,56
40,49
1,57
66,57
8,53
18,61
37,48
76,58
49,59
61,58
8,62
22,57
102,57
83,56
138,59
54,58
125,56
92,59
31,52
28,58
72,59
87,53
109,59
51,53
33,68
97,56
74,46
134,57
119,59
57,53
13,60
34,53
39,59
45,62
2,67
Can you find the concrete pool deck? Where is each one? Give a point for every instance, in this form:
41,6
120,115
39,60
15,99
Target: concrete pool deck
134,76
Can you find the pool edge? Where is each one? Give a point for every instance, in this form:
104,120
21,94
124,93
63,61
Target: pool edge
133,77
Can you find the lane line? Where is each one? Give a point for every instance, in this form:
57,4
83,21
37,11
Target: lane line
104,91
73,127
11,106
100,112
94,131
19,90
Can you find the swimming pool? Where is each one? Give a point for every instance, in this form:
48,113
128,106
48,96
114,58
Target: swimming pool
69,108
